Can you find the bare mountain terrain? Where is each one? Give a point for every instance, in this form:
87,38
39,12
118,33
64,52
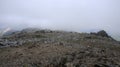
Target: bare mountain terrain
47,48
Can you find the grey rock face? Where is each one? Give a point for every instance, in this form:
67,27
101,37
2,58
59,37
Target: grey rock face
102,33
1,44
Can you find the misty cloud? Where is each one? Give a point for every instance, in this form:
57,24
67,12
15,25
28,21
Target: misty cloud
72,15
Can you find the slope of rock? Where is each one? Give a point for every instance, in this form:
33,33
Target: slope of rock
43,48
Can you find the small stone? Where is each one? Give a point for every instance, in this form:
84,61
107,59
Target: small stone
1,44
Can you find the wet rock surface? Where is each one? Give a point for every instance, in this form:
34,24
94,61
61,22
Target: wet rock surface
46,48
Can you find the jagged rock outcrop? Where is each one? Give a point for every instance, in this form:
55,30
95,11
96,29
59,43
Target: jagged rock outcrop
100,33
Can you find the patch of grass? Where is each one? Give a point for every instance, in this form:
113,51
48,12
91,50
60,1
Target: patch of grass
40,36
25,65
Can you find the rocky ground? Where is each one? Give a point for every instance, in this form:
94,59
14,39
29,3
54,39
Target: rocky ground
46,48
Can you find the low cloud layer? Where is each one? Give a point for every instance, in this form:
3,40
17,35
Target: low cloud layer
72,15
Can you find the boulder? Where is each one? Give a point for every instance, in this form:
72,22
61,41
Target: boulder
102,33
1,44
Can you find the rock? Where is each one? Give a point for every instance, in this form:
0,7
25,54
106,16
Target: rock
101,65
69,65
60,43
93,33
96,65
1,44
102,33
88,37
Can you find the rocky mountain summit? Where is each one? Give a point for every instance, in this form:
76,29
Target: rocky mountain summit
47,48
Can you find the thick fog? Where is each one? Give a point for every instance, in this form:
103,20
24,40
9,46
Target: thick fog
70,15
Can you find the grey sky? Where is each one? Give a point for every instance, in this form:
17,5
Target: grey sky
75,15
